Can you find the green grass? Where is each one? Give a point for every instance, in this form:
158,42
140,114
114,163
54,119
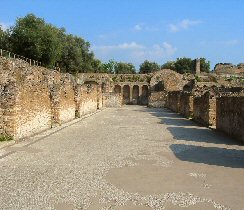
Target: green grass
5,138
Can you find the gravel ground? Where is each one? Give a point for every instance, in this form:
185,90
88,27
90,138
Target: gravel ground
128,158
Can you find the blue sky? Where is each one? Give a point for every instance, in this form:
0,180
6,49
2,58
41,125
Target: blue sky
135,30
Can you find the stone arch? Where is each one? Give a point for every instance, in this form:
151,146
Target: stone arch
135,94
171,80
117,89
145,95
126,94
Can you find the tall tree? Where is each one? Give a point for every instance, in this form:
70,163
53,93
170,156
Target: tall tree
184,65
148,67
169,65
33,38
109,67
3,39
204,65
125,68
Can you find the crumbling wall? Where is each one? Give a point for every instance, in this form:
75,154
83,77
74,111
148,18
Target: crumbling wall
67,104
158,99
186,104
89,98
204,109
25,99
171,80
112,100
34,98
173,102
229,116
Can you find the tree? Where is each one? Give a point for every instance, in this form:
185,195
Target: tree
148,67
124,68
204,65
187,65
33,38
184,65
169,65
3,39
109,67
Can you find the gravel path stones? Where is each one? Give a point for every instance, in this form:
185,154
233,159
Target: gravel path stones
128,158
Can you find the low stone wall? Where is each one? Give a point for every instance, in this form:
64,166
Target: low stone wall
112,100
158,99
229,116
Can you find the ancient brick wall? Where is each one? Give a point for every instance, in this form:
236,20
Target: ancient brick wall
25,102
158,99
229,115
173,102
186,104
89,98
67,104
112,100
34,98
204,109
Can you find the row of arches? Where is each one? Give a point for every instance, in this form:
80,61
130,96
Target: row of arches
133,94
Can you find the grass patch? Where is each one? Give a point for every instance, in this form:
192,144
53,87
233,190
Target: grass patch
5,138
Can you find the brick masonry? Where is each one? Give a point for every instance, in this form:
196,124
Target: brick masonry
34,98
230,118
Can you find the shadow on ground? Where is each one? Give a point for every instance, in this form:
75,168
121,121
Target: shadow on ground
184,129
209,155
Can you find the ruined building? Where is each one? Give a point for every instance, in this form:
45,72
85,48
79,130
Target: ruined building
34,98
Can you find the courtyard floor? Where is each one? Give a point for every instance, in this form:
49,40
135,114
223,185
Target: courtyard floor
122,159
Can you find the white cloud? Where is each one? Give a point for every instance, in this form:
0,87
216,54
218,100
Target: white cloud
231,42
123,46
138,27
145,27
155,52
134,52
5,26
182,25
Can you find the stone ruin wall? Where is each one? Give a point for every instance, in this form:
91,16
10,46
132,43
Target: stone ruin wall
228,68
158,99
204,109
112,100
210,106
34,98
230,117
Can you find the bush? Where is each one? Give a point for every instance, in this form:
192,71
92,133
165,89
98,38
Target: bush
5,138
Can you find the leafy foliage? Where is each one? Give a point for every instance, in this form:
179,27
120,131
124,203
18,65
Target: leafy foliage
124,68
148,67
187,65
33,38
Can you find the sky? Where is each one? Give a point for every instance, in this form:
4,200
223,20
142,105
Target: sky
136,30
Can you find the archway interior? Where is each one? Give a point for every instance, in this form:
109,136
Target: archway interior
145,94
126,94
135,95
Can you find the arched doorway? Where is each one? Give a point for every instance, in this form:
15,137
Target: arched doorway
145,94
135,94
117,89
126,94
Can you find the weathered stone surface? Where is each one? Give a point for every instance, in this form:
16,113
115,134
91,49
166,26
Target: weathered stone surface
158,99
230,115
112,100
34,98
